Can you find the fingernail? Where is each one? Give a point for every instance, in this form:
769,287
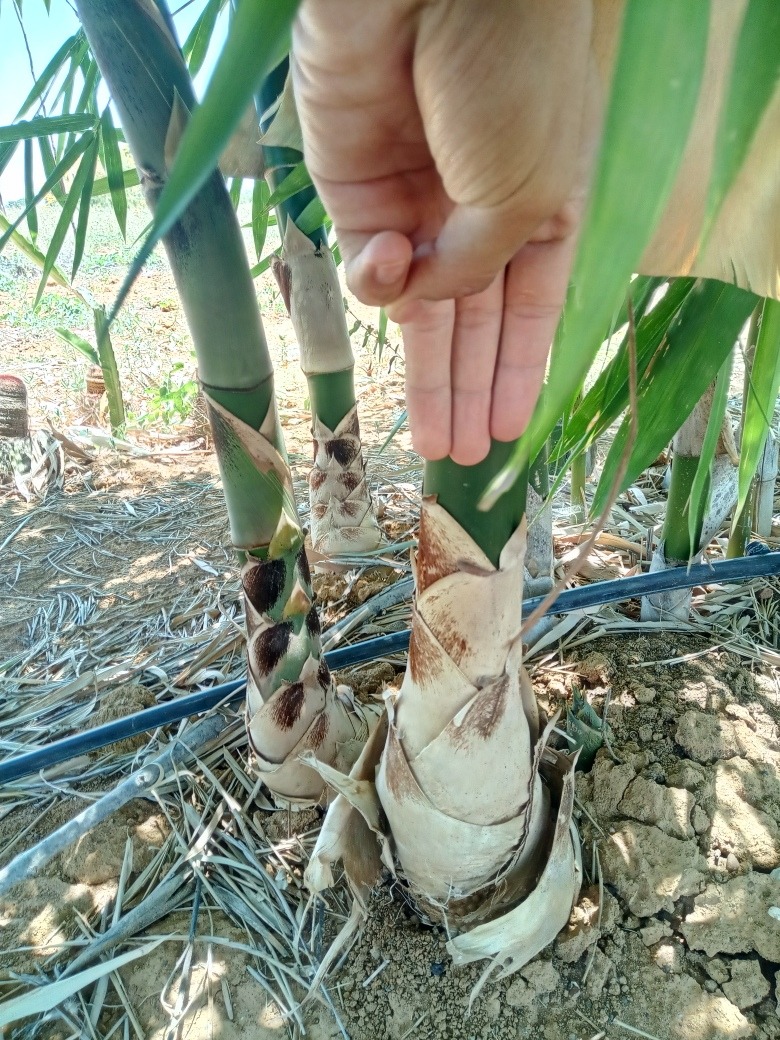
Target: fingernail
389,274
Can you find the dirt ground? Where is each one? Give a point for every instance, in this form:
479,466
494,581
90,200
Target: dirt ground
122,590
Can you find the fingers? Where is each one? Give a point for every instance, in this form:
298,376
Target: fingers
376,267
475,342
534,294
427,330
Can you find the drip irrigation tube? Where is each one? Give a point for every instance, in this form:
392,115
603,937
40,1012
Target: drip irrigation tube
597,594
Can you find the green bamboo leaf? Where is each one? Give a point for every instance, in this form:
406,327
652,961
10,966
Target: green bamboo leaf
44,998
399,423
34,254
87,99
29,191
65,91
43,125
381,334
658,73
608,396
197,43
296,180
6,154
86,166
754,77
58,172
130,179
82,345
312,217
235,191
44,81
112,163
49,161
85,205
700,488
761,399
260,207
257,40
698,342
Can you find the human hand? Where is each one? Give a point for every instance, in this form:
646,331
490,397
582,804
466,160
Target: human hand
450,144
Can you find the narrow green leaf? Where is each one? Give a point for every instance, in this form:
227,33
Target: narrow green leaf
130,179
258,38
44,81
761,399
43,125
296,180
85,204
313,217
82,345
29,191
58,172
700,489
608,396
32,252
44,998
197,43
260,196
112,162
397,425
754,77
91,73
49,163
6,154
658,73
82,174
381,334
698,342
235,191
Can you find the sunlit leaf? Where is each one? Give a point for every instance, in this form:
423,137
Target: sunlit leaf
82,345
42,125
658,72
260,195
698,342
44,81
761,398
196,45
85,203
29,190
754,79
112,162
296,180
700,488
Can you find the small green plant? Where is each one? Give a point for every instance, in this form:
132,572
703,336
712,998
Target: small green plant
172,401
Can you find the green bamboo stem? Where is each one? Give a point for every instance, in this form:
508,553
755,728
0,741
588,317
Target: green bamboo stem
331,394
153,93
677,543
458,489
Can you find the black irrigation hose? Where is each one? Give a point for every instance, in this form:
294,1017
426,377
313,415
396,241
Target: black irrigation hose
597,594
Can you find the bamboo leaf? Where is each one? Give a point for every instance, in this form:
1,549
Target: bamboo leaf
235,191
44,125
49,161
86,165
44,81
258,38
6,154
761,398
754,78
608,396
296,180
312,217
29,191
698,342
658,72
197,43
33,253
130,179
260,208
85,204
58,172
44,998
112,162
381,334
700,489
82,345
